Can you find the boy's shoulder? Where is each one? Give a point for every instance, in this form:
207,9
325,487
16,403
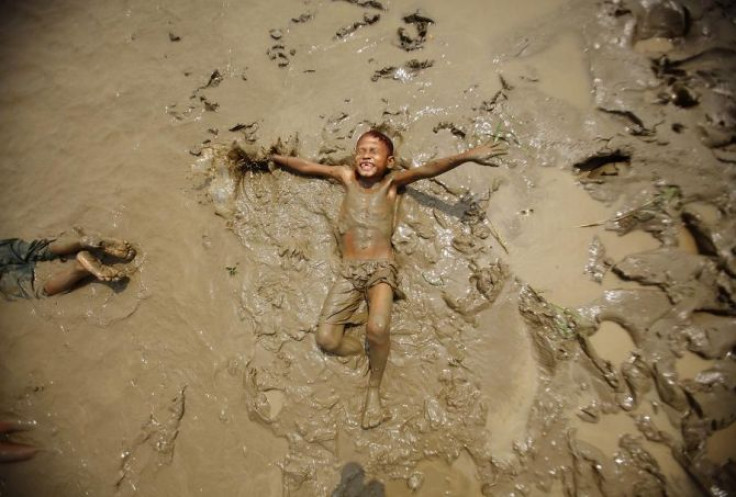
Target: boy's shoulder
345,172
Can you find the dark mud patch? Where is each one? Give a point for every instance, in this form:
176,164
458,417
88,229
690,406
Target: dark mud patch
368,19
602,159
370,4
414,38
404,72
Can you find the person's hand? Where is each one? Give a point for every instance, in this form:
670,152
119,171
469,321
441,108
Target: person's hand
484,154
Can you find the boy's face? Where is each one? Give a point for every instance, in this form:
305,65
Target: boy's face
371,158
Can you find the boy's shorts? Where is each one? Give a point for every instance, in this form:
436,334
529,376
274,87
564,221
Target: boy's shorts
18,263
351,287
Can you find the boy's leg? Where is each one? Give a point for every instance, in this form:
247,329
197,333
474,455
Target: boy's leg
331,338
340,304
65,280
85,265
111,246
380,302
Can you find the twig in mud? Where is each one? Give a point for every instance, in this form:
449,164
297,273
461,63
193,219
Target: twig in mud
497,236
669,193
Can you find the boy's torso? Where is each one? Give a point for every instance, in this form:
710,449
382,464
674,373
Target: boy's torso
366,220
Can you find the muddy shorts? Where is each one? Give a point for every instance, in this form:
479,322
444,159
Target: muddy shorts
18,263
351,287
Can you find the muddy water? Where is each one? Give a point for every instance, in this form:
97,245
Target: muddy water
569,314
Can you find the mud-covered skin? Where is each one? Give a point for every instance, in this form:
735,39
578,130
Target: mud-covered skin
366,219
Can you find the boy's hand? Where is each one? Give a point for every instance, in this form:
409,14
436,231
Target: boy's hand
484,153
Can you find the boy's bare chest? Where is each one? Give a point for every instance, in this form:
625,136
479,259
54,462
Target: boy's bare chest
367,209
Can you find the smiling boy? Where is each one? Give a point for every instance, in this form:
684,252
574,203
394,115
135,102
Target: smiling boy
365,225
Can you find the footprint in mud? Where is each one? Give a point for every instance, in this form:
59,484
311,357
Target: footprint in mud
279,54
414,41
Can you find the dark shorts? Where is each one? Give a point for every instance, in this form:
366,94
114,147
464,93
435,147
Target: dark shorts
351,287
18,264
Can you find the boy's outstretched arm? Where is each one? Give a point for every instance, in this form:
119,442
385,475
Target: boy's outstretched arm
308,168
480,155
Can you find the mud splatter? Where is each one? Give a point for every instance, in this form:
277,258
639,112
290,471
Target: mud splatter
153,447
402,73
367,20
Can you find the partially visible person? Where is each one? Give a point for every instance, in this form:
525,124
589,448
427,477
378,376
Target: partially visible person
18,260
12,451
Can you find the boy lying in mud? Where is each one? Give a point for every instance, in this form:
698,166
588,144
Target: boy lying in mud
365,226
18,263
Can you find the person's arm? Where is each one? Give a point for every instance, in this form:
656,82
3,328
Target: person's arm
308,168
480,155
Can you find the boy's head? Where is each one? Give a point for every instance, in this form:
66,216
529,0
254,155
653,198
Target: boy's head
374,154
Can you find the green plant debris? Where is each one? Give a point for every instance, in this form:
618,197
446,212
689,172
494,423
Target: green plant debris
232,270
503,133
565,321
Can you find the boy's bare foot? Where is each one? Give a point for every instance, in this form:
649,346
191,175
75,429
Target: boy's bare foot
111,246
373,411
98,270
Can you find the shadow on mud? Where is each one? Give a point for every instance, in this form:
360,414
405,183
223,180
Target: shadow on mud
352,483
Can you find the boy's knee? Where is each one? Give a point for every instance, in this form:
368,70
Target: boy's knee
377,331
326,339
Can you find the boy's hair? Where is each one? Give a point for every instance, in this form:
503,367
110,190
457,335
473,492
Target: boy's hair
380,137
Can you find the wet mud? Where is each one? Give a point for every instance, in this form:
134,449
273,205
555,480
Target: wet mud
569,317
310,399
